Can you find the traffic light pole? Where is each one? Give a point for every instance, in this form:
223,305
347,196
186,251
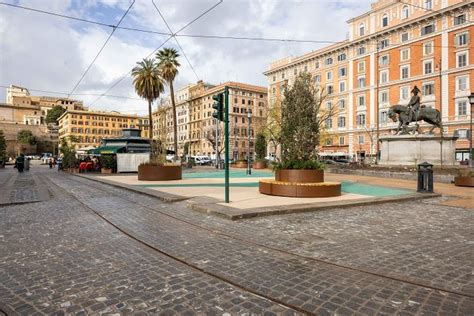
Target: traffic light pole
226,145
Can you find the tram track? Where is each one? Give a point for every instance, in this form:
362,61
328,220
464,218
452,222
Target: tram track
175,258
283,251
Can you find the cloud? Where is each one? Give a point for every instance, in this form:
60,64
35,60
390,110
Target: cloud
51,53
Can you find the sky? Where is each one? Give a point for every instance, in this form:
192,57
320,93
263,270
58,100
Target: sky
45,52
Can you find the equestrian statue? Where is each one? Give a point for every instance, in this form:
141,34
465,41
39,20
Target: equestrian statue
414,111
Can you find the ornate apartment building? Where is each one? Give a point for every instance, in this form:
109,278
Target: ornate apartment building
197,127
391,48
88,128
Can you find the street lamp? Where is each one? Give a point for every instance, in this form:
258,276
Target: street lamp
471,101
249,170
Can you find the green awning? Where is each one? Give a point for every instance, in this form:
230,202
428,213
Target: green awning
106,150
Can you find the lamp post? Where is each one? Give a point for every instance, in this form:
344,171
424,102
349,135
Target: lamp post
249,170
471,101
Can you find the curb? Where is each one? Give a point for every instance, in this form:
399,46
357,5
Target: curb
165,197
213,206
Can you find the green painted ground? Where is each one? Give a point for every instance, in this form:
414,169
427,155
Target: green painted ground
232,174
347,187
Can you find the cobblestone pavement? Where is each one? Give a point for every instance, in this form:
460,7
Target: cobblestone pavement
23,187
59,258
83,255
423,243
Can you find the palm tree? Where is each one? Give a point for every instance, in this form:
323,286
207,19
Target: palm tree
168,64
148,84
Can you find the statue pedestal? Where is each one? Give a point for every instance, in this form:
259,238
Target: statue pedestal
415,149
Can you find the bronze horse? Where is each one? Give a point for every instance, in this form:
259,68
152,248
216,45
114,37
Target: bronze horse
429,115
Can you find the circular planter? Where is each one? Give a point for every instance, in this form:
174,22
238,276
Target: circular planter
302,190
159,173
240,164
300,175
464,181
259,165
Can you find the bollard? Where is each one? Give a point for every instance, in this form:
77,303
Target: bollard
425,178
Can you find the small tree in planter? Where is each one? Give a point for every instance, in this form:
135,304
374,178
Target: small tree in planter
260,151
69,160
303,119
107,163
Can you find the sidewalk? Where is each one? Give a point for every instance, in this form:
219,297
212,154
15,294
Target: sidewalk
461,196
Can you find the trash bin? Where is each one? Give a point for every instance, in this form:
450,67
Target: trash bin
425,178
222,164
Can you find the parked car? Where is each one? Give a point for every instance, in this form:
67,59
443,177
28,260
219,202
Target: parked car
342,161
46,157
270,157
201,160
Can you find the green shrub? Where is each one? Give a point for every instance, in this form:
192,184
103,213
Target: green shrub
107,161
297,164
260,147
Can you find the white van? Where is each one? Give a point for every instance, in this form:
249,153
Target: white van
201,160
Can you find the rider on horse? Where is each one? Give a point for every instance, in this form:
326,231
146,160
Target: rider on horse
414,104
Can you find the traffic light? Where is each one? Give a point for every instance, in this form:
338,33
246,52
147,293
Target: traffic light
218,106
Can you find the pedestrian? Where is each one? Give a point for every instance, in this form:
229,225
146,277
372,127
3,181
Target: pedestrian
60,163
20,162
51,163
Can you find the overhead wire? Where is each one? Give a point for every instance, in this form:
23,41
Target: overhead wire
177,42
101,49
169,37
82,19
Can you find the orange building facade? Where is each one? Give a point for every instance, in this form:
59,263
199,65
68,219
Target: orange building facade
390,49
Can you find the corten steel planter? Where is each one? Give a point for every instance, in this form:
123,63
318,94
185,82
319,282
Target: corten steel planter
159,173
106,170
240,164
300,175
303,190
259,165
464,181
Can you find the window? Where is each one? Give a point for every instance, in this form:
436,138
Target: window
361,139
295,72
461,83
384,43
361,29
405,12
428,29
329,75
460,19
329,123
342,104
428,67
360,119
404,72
383,78
404,93
405,54
317,78
329,142
341,121
361,50
384,20
428,4
274,78
342,86
330,89
427,89
341,140
462,39
282,75
383,117
328,61
428,48
361,82
316,65
341,57
461,59
361,100
404,37
342,72
329,105
461,108
383,97
383,60
305,68
361,66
